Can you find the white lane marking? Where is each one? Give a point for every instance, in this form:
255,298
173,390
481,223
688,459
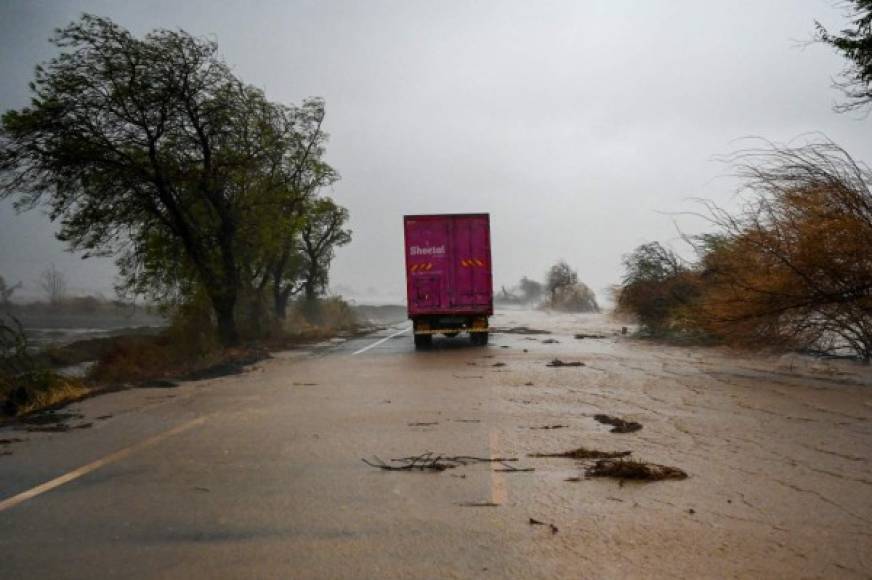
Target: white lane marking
22,497
378,342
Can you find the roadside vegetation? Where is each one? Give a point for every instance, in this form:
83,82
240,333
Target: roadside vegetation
790,270
792,267
210,197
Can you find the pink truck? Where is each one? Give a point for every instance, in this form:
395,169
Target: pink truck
448,275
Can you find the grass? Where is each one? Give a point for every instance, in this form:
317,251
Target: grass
187,350
40,389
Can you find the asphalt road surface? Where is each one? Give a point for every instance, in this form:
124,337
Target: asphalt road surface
260,475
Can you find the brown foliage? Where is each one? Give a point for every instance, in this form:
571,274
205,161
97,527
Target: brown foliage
795,267
792,269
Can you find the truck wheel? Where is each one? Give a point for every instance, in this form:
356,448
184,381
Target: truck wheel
479,338
423,341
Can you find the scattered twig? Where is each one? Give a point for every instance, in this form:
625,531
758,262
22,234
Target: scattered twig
498,364
582,335
619,425
559,363
430,462
467,420
479,504
550,427
422,462
423,424
637,470
508,468
584,453
535,522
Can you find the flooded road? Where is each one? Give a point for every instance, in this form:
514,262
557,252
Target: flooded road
260,475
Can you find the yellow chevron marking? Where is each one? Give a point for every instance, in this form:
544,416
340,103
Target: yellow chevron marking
480,263
414,267
429,266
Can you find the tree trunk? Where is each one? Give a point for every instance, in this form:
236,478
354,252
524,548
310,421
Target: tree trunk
280,306
227,333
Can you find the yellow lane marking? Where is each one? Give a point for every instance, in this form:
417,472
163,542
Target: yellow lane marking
22,497
499,492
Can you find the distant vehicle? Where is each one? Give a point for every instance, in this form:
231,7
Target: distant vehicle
448,275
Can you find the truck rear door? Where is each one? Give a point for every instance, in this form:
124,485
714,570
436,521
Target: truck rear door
471,245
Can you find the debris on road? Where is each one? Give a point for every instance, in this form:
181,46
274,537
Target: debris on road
582,335
550,341
519,330
511,469
618,425
632,469
479,504
559,363
467,420
467,376
431,462
550,427
11,440
104,417
305,384
422,424
498,364
425,462
535,522
584,453
528,384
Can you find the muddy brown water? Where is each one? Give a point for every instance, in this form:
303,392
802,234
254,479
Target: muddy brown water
777,450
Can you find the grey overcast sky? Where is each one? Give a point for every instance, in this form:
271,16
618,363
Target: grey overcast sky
578,125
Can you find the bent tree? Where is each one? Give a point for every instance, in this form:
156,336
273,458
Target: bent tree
151,150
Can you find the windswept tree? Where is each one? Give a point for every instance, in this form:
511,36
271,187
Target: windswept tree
560,276
54,283
657,288
151,150
855,44
531,290
795,266
323,232
567,292
6,291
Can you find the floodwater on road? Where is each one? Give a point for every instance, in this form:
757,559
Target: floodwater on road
261,474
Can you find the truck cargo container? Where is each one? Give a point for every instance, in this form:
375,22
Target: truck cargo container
449,284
